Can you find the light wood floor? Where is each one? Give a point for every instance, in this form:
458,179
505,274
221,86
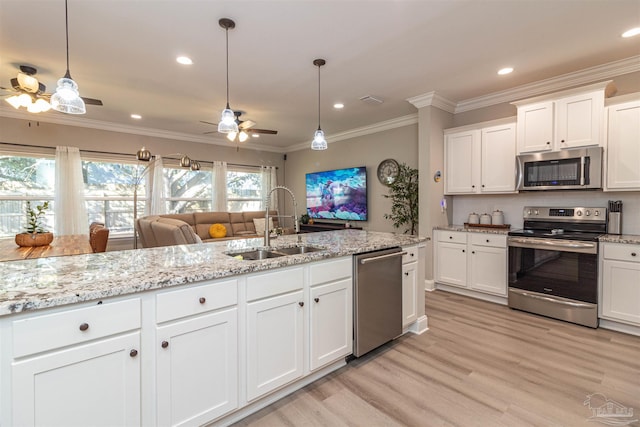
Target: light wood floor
480,364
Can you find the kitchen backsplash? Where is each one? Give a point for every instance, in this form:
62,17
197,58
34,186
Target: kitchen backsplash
513,204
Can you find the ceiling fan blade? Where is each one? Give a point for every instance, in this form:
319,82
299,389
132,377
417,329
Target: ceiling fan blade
210,132
246,124
208,123
264,131
91,101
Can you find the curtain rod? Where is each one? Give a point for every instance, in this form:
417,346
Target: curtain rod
120,154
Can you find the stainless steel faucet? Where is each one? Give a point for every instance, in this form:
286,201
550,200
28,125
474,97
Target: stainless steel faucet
296,225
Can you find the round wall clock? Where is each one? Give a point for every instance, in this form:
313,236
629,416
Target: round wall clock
388,171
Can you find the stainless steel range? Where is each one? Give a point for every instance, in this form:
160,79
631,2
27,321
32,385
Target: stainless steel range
553,263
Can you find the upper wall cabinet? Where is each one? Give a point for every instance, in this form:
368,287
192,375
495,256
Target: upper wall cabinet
623,145
480,159
563,120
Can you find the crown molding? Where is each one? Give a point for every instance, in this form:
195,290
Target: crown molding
564,81
432,99
407,120
66,120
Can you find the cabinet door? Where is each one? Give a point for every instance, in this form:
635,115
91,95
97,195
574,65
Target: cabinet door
96,384
488,269
461,162
579,120
498,170
409,293
451,263
535,127
621,291
197,369
623,147
331,323
275,335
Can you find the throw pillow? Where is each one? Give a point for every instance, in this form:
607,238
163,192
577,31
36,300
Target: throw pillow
217,230
259,224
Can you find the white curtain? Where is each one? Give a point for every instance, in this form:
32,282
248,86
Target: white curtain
71,211
269,180
156,188
219,187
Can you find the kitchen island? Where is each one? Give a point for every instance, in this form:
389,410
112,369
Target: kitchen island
182,335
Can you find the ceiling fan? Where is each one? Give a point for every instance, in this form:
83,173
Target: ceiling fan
245,127
30,93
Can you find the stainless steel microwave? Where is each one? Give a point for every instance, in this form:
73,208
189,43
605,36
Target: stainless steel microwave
577,169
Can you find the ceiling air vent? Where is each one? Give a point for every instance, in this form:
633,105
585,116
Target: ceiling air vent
368,99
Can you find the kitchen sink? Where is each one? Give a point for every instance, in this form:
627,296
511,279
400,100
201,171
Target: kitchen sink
258,254
295,250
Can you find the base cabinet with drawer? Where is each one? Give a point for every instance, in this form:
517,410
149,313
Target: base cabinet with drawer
197,353
475,261
620,283
410,292
78,367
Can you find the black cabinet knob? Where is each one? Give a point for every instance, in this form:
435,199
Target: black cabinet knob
463,251
133,353
84,327
202,300
164,344
301,304
316,299
633,254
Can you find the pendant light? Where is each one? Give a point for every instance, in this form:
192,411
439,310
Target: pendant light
67,99
227,121
319,143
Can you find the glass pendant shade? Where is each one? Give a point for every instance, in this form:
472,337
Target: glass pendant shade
227,122
66,99
319,143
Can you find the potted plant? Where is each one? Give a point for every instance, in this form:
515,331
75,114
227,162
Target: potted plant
304,218
403,193
35,234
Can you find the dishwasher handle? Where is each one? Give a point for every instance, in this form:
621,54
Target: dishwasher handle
380,257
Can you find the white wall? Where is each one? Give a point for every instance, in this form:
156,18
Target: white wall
400,144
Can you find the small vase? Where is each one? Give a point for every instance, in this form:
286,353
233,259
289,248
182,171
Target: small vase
35,239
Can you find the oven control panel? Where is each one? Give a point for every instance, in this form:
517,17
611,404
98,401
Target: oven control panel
596,214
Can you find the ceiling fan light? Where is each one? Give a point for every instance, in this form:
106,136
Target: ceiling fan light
319,143
66,99
25,100
28,83
43,105
227,122
14,101
231,136
242,136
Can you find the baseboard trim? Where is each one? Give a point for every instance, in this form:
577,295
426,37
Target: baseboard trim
420,326
473,294
620,327
429,285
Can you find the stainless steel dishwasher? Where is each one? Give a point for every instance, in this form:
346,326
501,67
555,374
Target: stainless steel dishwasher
377,300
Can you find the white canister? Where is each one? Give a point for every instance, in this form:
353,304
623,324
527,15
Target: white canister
474,218
485,218
497,217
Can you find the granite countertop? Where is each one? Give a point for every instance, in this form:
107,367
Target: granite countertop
455,227
54,281
629,239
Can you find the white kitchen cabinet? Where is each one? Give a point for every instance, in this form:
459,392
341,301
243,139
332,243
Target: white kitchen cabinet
97,384
620,285
488,263
481,159
563,120
475,261
197,353
623,147
410,292
451,258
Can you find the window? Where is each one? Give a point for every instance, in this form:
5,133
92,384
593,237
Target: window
244,190
188,191
24,178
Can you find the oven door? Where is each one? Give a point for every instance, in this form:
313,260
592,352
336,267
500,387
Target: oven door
554,277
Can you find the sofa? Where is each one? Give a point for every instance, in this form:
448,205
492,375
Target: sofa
189,228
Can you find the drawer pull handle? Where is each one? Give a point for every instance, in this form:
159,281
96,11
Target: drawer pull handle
406,273
133,353
164,344
84,327
463,251
411,254
451,237
202,300
316,299
487,240
301,304
633,254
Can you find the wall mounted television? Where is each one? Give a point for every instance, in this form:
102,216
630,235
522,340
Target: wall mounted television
339,194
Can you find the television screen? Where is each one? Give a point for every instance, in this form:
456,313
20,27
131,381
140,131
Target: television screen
338,194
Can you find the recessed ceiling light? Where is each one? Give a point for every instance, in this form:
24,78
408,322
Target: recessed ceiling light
184,60
136,116
338,105
505,70
632,32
